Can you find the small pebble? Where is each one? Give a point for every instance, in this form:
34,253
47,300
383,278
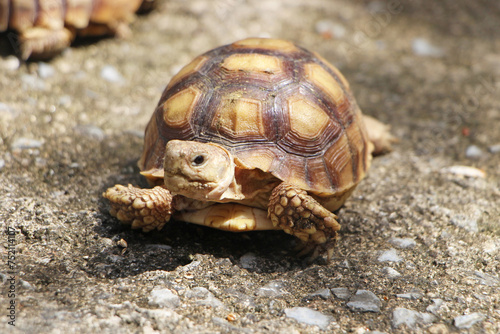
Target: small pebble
111,74
486,279
122,243
390,255
403,242
364,301
202,296
341,293
191,266
91,131
309,317
469,320
248,261
10,63
466,171
26,285
437,304
322,293
410,318
45,70
422,47
158,246
272,289
438,329
2,164
25,143
494,148
468,221
65,101
32,82
410,295
473,152
390,272
330,28
163,298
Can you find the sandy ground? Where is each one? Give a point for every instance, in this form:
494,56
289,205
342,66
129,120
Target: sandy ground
421,236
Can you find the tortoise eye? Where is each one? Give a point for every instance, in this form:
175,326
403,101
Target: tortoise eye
198,160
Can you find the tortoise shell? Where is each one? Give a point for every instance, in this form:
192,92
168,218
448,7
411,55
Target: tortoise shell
275,106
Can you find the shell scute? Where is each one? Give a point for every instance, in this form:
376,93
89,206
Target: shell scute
275,106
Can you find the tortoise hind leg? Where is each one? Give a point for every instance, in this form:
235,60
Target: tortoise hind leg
299,214
142,208
379,135
41,42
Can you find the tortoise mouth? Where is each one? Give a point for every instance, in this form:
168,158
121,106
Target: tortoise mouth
180,184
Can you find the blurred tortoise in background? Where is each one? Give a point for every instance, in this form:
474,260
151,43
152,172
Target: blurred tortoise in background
260,134
46,27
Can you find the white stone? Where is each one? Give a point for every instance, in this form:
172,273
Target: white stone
390,255
390,272
25,143
111,74
248,261
410,318
364,301
403,242
468,320
202,296
422,47
309,317
341,293
163,298
473,152
45,70
272,289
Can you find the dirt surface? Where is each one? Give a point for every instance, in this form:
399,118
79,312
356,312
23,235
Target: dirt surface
421,237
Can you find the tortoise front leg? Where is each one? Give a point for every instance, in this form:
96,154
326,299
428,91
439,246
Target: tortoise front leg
299,214
142,208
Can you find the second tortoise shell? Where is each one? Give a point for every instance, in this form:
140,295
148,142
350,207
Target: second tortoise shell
275,106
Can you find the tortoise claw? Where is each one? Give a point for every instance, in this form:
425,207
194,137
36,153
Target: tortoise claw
297,213
141,208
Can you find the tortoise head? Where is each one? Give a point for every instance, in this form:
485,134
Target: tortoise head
202,171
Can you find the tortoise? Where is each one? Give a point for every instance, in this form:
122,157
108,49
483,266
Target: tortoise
46,27
260,134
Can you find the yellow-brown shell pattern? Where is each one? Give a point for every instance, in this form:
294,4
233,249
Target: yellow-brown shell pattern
275,106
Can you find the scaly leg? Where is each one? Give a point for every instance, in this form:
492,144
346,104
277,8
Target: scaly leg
379,135
142,208
297,213
40,42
